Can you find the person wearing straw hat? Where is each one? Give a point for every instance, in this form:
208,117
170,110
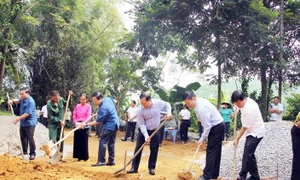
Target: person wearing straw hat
27,120
213,130
56,111
226,113
253,128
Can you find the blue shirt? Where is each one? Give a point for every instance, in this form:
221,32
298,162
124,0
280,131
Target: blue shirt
28,106
107,114
225,113
208,115
149,118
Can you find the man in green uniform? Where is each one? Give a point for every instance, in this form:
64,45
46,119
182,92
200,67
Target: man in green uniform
56,111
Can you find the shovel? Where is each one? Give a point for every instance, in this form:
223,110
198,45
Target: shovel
192,163
234,150
56,155
18,132
141,148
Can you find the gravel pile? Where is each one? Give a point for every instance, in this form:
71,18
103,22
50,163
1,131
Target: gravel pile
275,149
9,142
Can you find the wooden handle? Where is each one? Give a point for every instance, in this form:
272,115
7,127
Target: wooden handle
62,127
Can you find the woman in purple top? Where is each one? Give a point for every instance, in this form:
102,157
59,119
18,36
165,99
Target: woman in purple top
81,112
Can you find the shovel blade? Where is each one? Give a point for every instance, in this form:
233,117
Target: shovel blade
54,159
118,171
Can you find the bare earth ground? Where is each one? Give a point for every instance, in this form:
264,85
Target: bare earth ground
172,159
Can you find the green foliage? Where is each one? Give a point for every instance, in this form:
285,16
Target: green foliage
293,107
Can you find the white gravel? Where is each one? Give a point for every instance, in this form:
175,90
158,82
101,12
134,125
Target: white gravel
275,149
9,142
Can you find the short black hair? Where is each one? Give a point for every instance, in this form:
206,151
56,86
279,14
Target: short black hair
54,93
26,89
188,95
97,94
133,101
276,97
238,95
146,95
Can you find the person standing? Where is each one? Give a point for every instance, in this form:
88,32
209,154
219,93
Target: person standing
253,128
28,121
213,130
38,113
226,114
107,115
56,112
68,118
276,110
44,114
149,119
81,112
185,116
131,123
295,134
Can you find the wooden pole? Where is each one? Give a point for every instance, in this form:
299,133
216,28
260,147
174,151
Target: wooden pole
234,152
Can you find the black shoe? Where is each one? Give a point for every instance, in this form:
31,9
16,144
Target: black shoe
132,171
32,157
124,139
110,164
151,172
160,145
132,140
202,178
253,178
99,164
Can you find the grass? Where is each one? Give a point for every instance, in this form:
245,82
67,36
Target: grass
4,112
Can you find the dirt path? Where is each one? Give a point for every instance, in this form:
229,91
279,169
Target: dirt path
172,158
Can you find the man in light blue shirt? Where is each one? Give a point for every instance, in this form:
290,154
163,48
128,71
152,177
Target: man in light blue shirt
213,130
149,119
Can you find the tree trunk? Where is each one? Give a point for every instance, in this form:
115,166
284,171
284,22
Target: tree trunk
264,83
219,69
281,51
3,61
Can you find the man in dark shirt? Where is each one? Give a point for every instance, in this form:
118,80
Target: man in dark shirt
28,121
107,115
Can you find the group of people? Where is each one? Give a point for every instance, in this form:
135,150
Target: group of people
149,120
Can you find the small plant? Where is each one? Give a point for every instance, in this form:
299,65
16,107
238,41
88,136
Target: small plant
293,107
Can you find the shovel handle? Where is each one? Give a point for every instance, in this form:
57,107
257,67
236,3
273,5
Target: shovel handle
141,148
196,152
65,114
73,130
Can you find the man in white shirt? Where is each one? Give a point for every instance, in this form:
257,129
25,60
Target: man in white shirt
185,116
131,123
44,114
253,128
213,130
276,110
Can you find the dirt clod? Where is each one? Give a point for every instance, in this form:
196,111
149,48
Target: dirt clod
184,176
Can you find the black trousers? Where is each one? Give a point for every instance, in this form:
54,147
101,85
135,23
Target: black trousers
108,139
249,160
161,134
99,129
45,122
200,129
27,137
184,126
213,152
227,130
154,145
130,131
81,144
295,133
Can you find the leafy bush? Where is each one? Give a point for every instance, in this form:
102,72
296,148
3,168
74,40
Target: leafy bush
293,107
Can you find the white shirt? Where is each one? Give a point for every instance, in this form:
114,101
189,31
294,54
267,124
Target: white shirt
132,112
275,116
44,111
186,115
252,119
38,113
208,115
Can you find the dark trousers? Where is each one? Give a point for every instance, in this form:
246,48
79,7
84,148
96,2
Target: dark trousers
227,130
184,126
154,145
249,160
81,144
130,131
27,137
295,133
161,134
108,139
99,128
200,128
45,121
54,134
213,152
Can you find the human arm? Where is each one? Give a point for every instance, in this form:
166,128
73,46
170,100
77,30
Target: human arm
10,102
241,133
203,116
23,116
